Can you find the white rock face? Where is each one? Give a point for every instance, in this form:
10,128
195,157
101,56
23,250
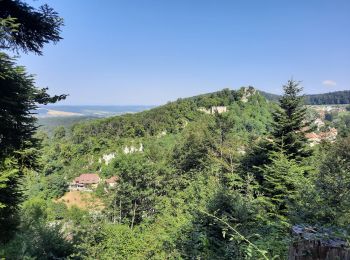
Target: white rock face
218,109
107,158
213,110
126,150
247,92
133,149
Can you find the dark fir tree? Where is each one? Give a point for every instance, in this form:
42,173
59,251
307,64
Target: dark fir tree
282,172
25,28
290,123
21,28
281,179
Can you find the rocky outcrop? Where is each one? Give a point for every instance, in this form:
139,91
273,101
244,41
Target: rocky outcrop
214,110
107,158
246,93
132,149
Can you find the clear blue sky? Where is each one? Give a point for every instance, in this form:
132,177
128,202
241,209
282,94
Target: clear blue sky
124,52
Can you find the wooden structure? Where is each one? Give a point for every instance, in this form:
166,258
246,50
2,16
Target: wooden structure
111,182
311,243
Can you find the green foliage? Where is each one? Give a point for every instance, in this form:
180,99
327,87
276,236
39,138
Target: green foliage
56,186
282,177
333,183
140,182
59,132
24,28
10,197
206,186
111,242
21,28
49,124
337,97
19,96
342,123
36,238
191,154
289,123
207,238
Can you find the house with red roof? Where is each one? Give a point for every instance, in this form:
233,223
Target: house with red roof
315,138
111,182
87,180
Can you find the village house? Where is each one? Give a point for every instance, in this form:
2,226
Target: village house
86,180
315,138
111,182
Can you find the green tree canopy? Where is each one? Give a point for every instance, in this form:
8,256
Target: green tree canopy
290,124
21,28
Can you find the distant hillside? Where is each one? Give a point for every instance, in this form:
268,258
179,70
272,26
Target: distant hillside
48,124
331,98
174,116
337,97
51,116
269,96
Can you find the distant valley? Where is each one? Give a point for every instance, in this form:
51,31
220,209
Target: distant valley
93,111
50,117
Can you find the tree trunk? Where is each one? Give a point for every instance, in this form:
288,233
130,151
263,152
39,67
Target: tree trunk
120,211
133,216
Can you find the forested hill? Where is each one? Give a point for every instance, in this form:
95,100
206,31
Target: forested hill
337,97
183,174
171,117
175,115
331,98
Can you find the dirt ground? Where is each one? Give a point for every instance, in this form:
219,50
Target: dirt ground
83,200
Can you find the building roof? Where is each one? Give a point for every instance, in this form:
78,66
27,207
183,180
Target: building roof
113,179
87,178
311,135
331,134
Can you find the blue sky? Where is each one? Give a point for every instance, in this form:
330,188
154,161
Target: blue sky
122,52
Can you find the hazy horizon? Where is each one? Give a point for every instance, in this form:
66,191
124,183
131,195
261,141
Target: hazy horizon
60,104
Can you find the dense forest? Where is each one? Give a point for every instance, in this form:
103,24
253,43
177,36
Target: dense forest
212,186
337,97
331,98
225,175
